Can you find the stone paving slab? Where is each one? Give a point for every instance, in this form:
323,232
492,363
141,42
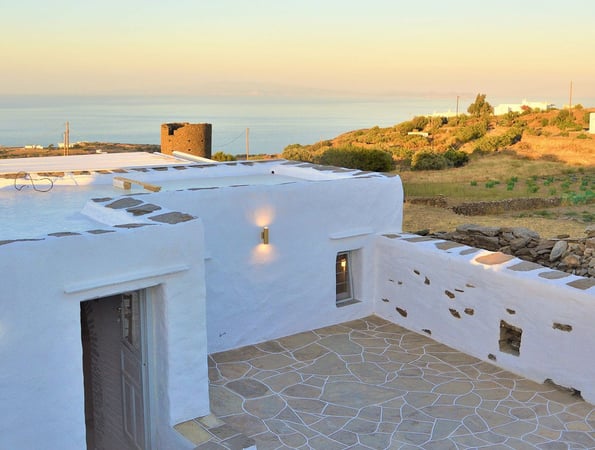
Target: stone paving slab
370,384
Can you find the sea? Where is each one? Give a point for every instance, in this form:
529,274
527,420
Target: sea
271,123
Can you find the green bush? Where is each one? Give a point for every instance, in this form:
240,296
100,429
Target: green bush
220,156
471,132
419,122
494,143
581,198
428,160
437,122
402,152
405,127
509,119
456,158
402,156
321,144
564,120
454,121
480,107
297,152
357,158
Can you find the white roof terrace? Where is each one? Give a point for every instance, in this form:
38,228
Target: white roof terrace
47,195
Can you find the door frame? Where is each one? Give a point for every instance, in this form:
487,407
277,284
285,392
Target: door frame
147,362
145,295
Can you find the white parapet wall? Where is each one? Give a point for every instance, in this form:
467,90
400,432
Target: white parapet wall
526,318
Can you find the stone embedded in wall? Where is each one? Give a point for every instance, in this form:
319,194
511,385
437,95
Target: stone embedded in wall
186,137
454,313
562,327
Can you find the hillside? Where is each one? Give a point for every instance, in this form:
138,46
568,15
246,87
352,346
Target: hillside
534,169
556,135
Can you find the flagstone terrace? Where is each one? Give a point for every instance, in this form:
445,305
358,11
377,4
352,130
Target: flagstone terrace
370,384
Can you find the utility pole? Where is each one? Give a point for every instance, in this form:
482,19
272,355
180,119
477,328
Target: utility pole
247,144
457,106
570,101
66,139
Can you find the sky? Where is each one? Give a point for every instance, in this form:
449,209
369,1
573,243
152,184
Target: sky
514,48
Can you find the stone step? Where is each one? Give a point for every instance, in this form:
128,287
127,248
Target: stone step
211,433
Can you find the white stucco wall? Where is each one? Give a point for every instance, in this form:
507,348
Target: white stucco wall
415,276
43,283
258,292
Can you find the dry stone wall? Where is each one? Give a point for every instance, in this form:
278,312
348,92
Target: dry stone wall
572,255
501,206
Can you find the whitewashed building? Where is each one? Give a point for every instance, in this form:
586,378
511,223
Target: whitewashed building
505,108
112,299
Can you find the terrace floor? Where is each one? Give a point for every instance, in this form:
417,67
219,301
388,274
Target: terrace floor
370,384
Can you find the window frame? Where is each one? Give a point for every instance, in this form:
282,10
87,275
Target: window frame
345,296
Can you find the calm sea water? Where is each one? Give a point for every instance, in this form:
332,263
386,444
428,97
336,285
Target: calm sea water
274,123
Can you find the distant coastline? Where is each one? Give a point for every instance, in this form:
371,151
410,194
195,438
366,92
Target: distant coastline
274,122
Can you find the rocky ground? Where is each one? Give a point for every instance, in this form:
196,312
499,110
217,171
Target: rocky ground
569,254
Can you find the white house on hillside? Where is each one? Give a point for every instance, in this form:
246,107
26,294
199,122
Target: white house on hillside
505,108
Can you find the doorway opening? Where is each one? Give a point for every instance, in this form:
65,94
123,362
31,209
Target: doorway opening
114,340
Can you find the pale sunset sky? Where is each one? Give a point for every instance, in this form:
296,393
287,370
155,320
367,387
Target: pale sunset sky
528,48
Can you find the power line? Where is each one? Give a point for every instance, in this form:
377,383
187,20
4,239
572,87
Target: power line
232,141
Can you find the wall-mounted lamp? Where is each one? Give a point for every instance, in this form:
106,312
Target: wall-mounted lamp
264,235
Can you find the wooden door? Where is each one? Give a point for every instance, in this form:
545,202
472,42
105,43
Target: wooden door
132,365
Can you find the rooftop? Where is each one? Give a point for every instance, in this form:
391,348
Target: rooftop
371,384
92,162
47,195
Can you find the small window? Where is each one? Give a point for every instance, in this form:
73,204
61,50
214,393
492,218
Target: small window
343,278
510,338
